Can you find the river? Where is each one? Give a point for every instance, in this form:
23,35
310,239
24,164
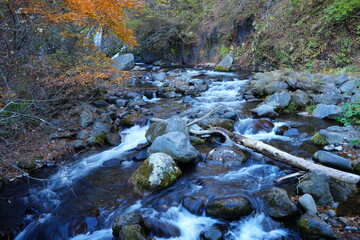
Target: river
81,199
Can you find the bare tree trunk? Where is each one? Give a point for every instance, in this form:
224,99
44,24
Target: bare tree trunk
281,156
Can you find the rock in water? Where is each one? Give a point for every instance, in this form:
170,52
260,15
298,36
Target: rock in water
158,171
312,227
174,124
124,62
278,204
177,145
229,208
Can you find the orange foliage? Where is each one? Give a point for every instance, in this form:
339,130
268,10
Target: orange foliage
108,14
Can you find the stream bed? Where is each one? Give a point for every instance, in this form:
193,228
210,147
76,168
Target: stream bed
81,200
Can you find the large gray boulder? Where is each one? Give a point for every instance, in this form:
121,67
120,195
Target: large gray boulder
348,87
300,98
279,100
229,208
174,124
312,227
316,183
332,160
177,145
226,64
278,204
158,171
226,155
124,62
264,110
327,111
332,95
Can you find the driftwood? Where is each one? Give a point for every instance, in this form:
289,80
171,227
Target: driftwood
281,156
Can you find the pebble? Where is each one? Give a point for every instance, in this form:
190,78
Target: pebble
351,228
344,220
331,213
324,216
334,205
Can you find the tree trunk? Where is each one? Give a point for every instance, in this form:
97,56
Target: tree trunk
281,156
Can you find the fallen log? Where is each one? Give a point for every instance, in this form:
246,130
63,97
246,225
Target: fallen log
281,156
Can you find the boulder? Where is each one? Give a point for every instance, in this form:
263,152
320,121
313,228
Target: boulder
307,202
161,76
348,87
177,145
158,171
327,111
138,101
332,95
229,208
129,226
113,139
278,204
209,122
308,82
332,160
341,190
226,64
332,137
312,227
124,61
174,124
226,155
103,127
316,183
86,118
264,110
100,104
279,100
78,144
133,95
300,98
133,119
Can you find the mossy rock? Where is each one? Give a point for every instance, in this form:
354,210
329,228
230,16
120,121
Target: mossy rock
356,168
319,139
229,208
132,232
131,119
278,204
207,123
312,227
158,171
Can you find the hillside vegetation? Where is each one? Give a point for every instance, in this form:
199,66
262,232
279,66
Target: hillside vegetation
313,35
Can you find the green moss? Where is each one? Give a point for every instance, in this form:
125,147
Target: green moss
222,69
141,176
310,109
292,107
319,139
100,139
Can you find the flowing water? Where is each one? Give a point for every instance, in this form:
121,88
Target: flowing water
81,200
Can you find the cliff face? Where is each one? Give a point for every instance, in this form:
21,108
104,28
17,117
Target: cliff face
306,35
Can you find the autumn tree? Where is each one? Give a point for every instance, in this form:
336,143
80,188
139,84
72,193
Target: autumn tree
47,51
